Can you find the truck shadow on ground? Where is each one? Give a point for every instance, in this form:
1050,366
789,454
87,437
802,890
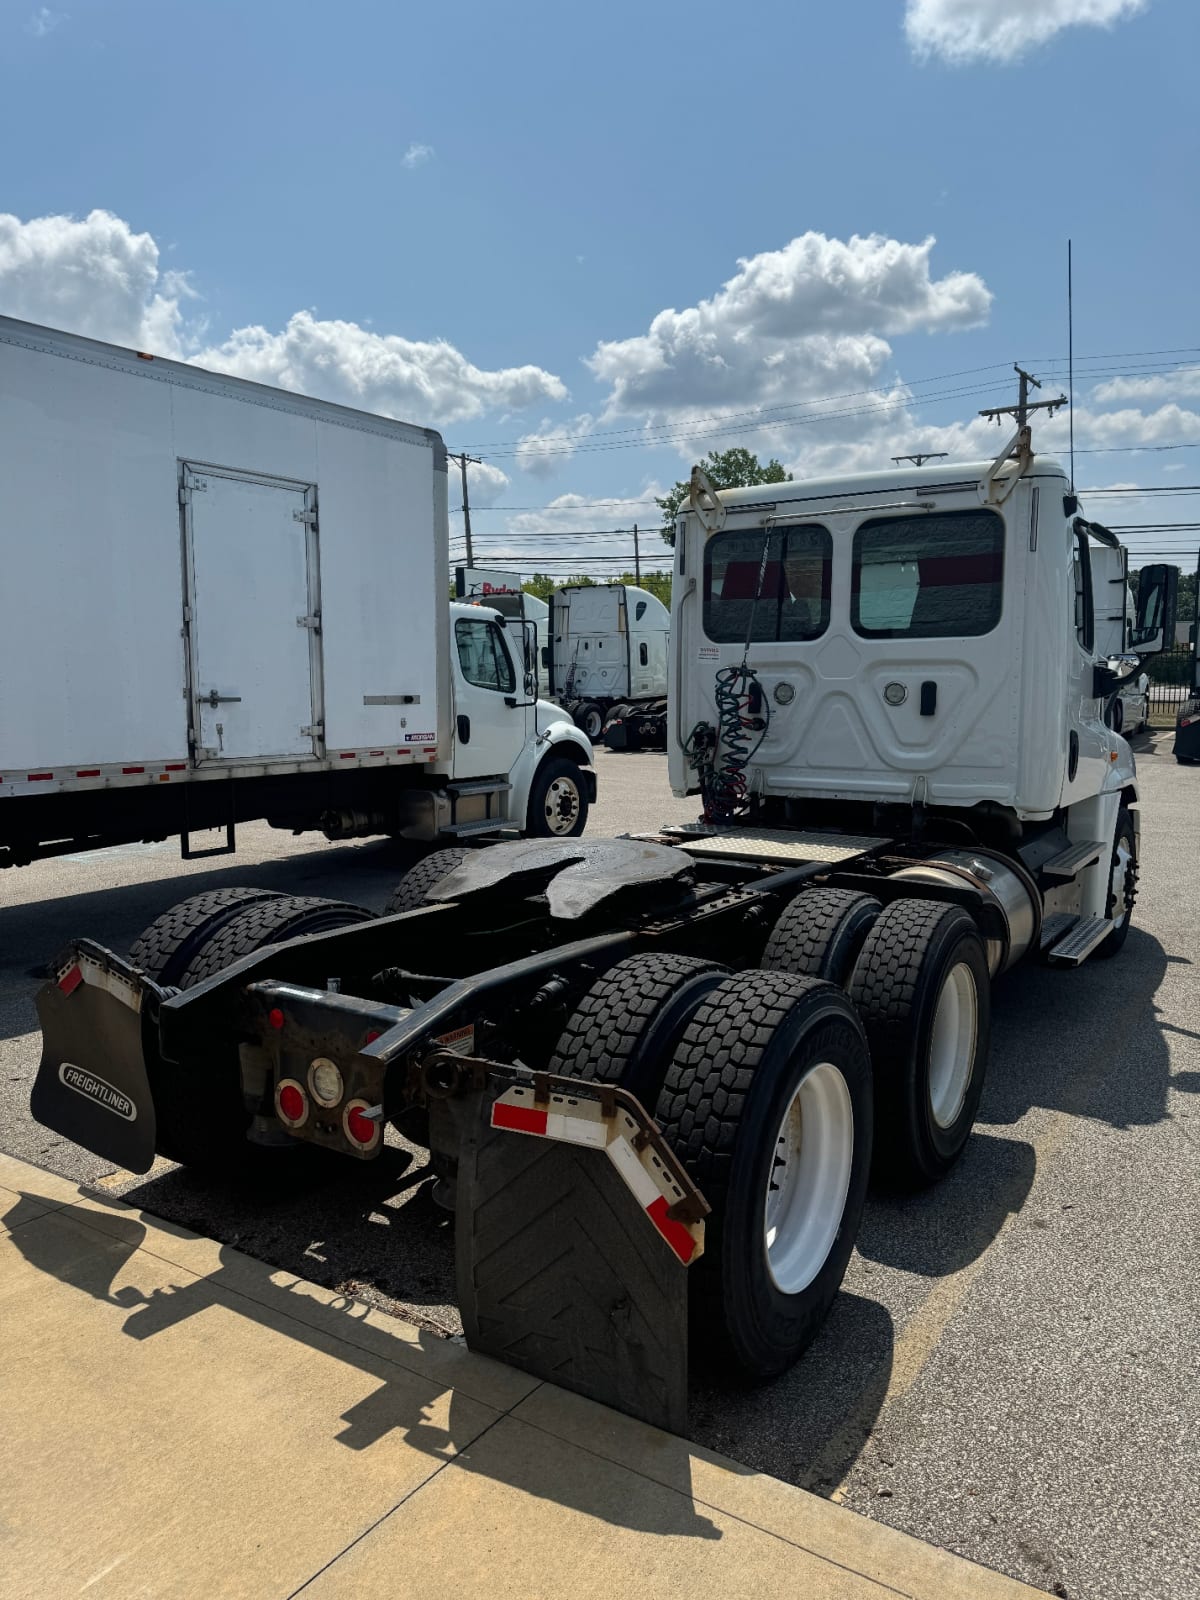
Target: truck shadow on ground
414,1369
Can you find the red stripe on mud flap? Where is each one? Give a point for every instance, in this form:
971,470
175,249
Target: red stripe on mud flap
521,1119
673,1232
70,981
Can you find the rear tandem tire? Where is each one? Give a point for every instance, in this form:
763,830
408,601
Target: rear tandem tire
165,948
819,934
768,1104
200,1114
922,988
626,1027
416,883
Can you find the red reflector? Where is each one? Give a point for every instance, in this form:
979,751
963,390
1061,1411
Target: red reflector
40,777
176,766
275,1017
376,752
673,1232
375,1033
70,981
291,1103
348,755
522,1119
142,356
360,1127
88,772
133,769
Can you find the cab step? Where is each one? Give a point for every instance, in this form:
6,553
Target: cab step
1073,949
1071,862
458,787
1054,926
465,830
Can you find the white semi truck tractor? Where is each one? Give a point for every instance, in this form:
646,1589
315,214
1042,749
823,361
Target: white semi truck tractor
660,1096
608,662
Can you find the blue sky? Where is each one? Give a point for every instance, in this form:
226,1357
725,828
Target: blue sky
474,218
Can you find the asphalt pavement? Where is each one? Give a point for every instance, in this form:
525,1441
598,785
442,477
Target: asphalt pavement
1012,1369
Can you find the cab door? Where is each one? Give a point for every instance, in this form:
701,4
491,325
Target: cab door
490,704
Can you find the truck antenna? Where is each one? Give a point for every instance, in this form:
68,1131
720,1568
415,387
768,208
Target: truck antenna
1071,363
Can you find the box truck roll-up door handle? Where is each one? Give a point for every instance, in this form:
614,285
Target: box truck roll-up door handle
215,699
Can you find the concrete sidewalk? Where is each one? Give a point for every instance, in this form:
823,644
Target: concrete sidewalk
180,1420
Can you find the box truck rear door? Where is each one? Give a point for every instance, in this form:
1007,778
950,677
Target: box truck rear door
253,601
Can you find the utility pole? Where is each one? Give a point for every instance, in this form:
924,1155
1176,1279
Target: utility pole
464,460
637,558
1024,404
922,456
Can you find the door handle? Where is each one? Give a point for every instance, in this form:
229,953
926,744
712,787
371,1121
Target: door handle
214,699
464,729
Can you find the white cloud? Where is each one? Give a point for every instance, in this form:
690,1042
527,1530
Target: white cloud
1182,383
429,381
485,484
551,445
44,21
93,276
962,31
97,277
790,325
416,155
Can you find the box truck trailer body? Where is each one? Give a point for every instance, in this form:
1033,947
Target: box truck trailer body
207,580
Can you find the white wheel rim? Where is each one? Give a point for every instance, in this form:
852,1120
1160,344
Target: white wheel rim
1119,887
809,1178
952,1044
562,805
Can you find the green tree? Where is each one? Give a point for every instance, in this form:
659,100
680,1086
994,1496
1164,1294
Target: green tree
542,583
726,469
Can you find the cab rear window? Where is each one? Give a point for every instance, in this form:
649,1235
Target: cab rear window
765,586
929,577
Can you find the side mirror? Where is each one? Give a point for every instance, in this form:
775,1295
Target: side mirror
1154,626
530,686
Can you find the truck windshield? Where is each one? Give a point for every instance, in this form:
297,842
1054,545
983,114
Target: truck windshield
931,577
778,593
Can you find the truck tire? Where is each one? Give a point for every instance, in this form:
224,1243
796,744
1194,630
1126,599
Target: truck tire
819,934
558,802
1122,884
164,949
204,1125
922,989
626,1027
590,719
416,883
768,1104
1117,717
285,917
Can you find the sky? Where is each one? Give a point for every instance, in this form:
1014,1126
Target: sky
591,244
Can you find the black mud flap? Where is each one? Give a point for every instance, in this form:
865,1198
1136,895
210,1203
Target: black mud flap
92,1085
574,1229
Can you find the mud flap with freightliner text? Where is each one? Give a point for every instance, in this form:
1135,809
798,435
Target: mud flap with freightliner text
92,1085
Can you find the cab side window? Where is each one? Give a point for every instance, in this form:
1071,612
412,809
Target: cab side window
481,654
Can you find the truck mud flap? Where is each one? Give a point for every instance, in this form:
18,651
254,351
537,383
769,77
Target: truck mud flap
574,1229
92,1085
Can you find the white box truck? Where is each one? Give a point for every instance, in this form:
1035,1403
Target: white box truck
608,661
222,602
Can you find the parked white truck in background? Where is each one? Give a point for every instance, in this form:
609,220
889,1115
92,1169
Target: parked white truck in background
503,592
223,602
608,660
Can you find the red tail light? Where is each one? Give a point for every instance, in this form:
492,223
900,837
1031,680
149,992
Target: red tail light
363,1124
291,1103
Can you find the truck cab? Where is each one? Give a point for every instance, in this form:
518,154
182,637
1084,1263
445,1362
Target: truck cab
608,648
931,648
